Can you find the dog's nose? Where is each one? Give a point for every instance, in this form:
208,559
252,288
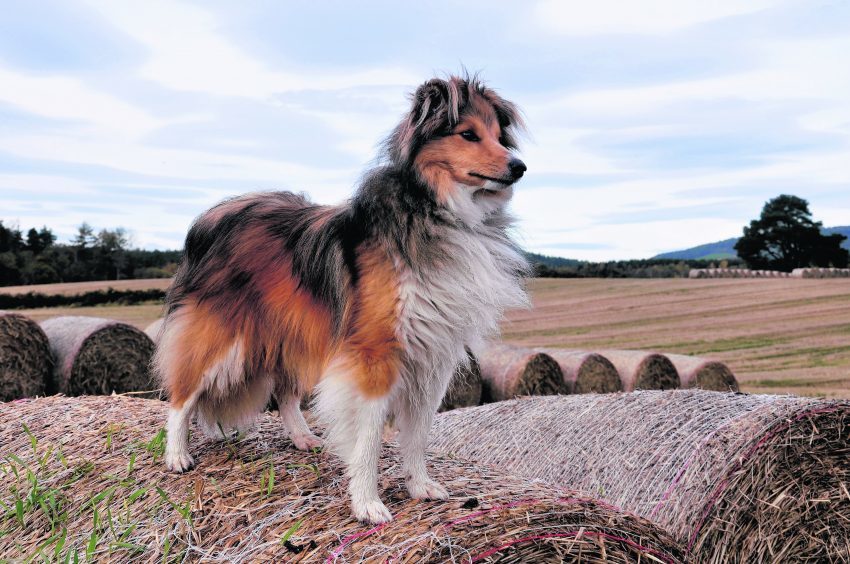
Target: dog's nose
517,167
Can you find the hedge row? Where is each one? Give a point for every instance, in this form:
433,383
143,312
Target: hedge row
99,297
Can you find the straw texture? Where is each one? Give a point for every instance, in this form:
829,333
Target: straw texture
734,477
259,500
641,370
98,356
25,359
696,372
586,372
465,387
508,372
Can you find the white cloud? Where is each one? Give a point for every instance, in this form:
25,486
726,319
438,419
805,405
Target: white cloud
579,17
186,52
68,98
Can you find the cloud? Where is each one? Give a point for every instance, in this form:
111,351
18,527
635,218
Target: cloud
188,54
574,17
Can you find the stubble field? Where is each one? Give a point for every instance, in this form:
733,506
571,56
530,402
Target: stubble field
778,336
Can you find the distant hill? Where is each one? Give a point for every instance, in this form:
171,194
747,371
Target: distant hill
551,262
726,249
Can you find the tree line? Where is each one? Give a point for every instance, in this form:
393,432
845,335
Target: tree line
784,237
37,258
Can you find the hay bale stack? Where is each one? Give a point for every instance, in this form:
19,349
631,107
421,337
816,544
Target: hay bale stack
465,387
153,330
642,370
25,360
508,372
696,372
98,356
734,477
586,372
229,509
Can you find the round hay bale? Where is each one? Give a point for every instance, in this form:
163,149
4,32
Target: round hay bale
25,360
508,372
465,387
642,370
153,330
734,477
259,500
702,373
586,372
98,356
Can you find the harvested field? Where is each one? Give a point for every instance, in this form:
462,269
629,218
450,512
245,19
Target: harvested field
508,372
734,477
25,358
96,464
776,335
98,356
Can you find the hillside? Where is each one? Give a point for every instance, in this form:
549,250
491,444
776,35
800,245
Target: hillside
726,248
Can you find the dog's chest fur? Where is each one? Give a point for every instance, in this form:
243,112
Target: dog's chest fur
459,298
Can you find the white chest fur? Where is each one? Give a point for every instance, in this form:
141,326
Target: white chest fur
460,299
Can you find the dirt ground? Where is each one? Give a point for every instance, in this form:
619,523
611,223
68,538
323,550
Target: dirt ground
778,336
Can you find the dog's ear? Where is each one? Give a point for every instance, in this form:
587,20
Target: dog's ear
435,109
430,99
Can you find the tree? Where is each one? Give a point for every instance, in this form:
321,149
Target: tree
786,237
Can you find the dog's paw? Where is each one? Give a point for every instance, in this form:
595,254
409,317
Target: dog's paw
178,461
373,512
306,441
426,489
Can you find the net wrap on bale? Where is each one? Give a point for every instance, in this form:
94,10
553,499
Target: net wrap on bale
258,499
586,372
508,372
735,477
642,370
705,374
98,356
25,359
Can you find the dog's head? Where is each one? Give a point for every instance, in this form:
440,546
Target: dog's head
459,138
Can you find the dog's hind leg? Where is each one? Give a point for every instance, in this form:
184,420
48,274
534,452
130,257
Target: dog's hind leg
177,457
289,406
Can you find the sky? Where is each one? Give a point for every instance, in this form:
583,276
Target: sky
652,126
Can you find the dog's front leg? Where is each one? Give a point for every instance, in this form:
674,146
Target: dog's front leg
354,430
415,413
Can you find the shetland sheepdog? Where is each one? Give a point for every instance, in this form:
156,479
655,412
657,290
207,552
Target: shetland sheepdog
368,304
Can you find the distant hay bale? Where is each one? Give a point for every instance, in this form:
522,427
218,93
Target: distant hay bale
586,372
98,356
153,330
734,477
696,372
259,500
508,372
465,387
25,359
641,370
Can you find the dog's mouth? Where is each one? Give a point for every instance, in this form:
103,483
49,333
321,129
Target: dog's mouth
502,181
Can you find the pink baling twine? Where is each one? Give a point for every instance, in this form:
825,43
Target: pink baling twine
721,487
563,534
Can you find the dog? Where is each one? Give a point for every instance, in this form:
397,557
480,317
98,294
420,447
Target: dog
368,304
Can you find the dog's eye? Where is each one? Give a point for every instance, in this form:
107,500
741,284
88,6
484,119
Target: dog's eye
469,135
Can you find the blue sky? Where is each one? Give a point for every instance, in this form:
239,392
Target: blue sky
654,125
